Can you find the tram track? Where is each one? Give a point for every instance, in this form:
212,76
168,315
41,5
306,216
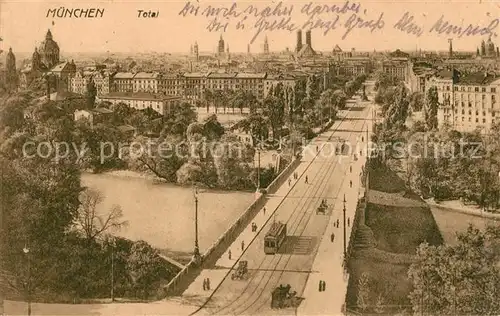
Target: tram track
268,263
272,275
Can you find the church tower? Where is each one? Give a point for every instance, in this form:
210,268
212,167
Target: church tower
10,71
36,60
196,51
220,50
49,51
266,46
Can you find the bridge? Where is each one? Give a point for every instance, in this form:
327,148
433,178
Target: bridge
317,245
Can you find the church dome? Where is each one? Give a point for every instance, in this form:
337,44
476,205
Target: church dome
49,51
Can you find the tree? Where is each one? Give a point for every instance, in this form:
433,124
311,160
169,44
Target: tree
91,93
91,222
146,268
461,279
416,101
363,292
398,110
431,108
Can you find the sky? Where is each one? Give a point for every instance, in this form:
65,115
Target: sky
23,25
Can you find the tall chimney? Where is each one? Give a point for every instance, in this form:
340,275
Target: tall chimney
308,38
451,47
299,40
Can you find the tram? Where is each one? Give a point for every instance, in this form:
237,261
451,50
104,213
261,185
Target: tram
274,238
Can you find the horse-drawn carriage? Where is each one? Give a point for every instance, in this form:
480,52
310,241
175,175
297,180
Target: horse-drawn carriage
322,208
241,272
282,297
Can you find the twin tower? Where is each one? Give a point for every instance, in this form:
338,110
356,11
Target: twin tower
299,46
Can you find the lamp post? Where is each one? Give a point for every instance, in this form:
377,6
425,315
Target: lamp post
112,269
196,254
26,251
345,241
258,169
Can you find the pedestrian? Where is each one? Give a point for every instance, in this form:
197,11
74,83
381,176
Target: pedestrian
360,153
338,223
317,148
204,284
332,237
264,210
319,286
307,180
349,221
229,254
350,183
289,182
242,245
350,168
324,286
208,284
362,139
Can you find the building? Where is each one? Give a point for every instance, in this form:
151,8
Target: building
142,100
94,116
266,46
11,80
49,51
221,47
172,84
488,49
271,81
195,84
298,46
123,82
468,102
145,82
62,73
79,82
306,51
398,68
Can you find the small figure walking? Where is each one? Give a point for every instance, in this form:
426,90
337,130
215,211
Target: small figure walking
242,245
264,210
317,148
307,180
208,284
324,286
350,183
350,168
362,139
204,284
332,237
320,285
338,223
229,254
289,182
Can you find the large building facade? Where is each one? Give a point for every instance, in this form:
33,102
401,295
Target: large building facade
469,102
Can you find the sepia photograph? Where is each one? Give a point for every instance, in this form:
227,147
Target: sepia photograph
265,157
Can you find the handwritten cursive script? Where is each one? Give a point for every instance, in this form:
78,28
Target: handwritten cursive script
346,18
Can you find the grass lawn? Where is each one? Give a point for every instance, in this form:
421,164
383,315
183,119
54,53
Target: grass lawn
450,222
400,222
163,214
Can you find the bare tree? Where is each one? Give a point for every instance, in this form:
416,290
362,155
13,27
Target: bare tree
91,221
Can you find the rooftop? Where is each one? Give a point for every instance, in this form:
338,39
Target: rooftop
124,75
251,75
146,75
275,229
216,75
477,78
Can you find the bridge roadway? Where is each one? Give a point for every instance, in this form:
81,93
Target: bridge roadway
328,174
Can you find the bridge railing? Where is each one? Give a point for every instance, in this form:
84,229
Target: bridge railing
178,284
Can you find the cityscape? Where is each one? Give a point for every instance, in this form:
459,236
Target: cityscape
292,181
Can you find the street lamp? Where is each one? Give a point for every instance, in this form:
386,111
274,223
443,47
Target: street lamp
26,251
196,254
345,241
112,269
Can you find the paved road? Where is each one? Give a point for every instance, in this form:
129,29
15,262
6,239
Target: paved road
328,175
